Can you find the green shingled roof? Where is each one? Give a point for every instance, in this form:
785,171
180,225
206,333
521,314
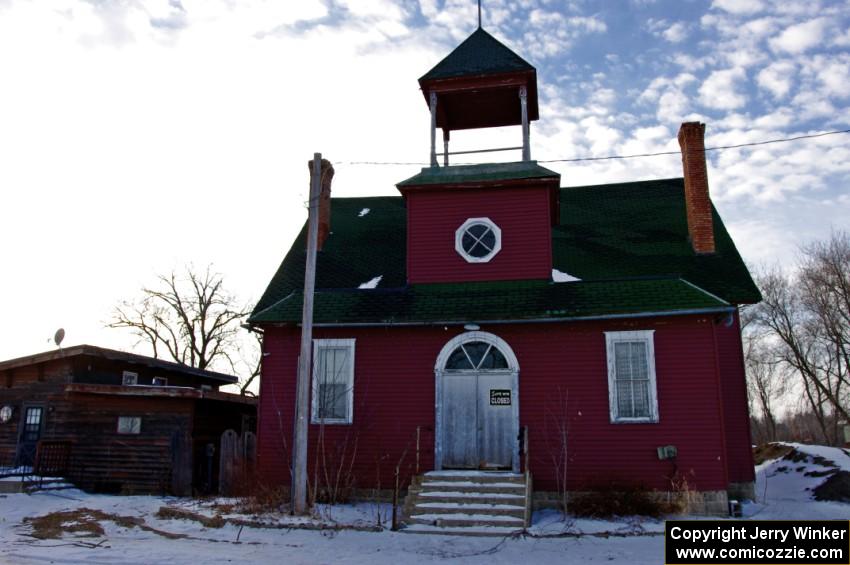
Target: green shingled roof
516,301
479,54
627,243
640,229
460,174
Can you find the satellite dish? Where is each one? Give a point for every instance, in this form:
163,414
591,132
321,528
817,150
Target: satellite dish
59,336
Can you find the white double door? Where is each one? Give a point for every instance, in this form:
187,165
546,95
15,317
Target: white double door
479,420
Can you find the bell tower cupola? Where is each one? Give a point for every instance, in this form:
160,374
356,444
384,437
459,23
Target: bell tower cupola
489,221
481,84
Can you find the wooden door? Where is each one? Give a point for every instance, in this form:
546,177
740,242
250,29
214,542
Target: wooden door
479,428
496,426
460,421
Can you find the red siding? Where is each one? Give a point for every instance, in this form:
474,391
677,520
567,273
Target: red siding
522,214
395,388
736,412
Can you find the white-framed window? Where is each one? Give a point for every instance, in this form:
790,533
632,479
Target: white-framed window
631,376
129,378
159,381
476,356
478,240
333,381
129,424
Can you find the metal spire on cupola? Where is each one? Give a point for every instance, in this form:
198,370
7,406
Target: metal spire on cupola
480,84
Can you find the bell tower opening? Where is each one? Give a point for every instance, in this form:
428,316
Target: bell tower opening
481,84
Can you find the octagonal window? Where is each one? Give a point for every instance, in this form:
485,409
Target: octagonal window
478,240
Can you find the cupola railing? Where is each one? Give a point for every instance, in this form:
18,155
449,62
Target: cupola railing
526,134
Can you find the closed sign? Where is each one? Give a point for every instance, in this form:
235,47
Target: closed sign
500,397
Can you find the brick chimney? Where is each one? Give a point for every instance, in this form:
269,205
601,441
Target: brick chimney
327,172
697,200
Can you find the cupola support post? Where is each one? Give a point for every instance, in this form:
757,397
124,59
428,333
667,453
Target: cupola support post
526,145
433,105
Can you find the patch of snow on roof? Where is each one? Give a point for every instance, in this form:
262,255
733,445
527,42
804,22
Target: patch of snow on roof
372,283
558,276
363,212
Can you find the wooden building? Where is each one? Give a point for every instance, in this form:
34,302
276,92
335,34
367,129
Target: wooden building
122,422
488,304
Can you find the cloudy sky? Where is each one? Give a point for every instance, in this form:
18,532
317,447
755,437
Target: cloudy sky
140,135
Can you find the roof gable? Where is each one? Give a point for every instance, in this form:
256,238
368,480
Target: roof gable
479,54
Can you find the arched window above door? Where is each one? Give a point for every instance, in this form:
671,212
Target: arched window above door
476,355
476,351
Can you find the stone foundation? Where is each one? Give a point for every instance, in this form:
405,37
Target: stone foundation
742,491
704,503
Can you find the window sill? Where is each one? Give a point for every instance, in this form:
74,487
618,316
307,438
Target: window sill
330,422
635,421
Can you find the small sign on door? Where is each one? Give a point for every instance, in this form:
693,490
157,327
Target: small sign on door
500,397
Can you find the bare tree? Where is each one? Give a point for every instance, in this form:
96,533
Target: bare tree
248,361
805,317
190,318
557,431
767,385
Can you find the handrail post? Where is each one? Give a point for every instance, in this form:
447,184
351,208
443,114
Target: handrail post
395,502
525,448
417,448
528,495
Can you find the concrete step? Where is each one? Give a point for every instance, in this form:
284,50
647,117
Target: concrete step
459,519
476,476
462,497
430,485
469,508
496,531
466,503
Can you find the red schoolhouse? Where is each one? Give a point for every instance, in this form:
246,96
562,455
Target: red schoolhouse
487,305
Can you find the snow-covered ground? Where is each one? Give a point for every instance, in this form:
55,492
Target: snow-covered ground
134,530
784,487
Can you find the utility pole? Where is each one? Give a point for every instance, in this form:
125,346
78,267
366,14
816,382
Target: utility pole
302,399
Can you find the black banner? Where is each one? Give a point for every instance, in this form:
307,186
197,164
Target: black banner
757,542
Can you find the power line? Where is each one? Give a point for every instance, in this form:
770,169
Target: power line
779,140
611,157
614,157
387,163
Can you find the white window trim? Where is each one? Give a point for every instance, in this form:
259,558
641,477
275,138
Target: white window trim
314,408
163,381
647,337
131,376
462,230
